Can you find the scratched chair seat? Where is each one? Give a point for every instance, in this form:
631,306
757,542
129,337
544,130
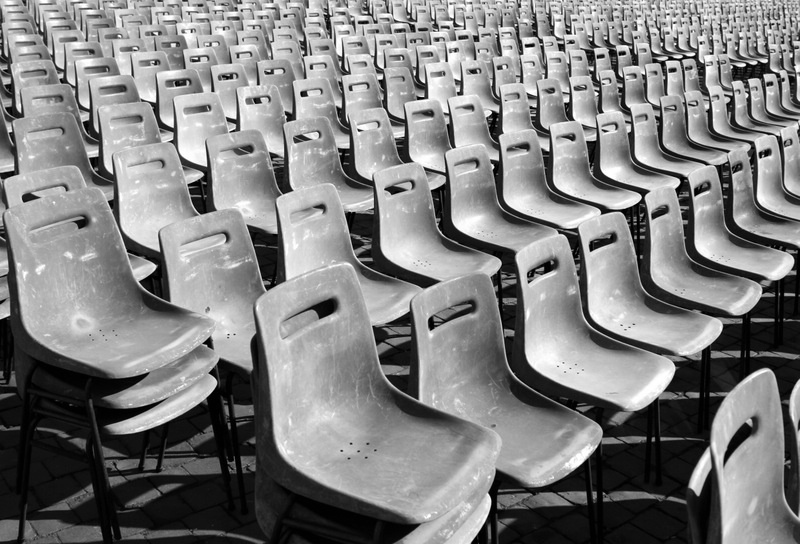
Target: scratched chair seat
353,441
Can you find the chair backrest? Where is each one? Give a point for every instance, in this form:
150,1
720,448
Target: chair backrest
440,83
312,231
583,106
426,132
515,111
467,121
197,116
674,78
260,107
793,486
197,254
549,301
279,72
314,98
790,156
123,126
471,190
359,92
107,91
144,67
768,178
609,264
747,454
33,185
43,99
201,59
706,219
372,145
613,149
173,46
310,137
150,193
29,74
457,346
170,84
655,83
225,80
398,88
609,93
50,140
75,51
404,212
240,173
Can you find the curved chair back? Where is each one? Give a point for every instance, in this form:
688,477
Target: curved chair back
426,134
240,176
515,110
197,117
150,193
790,155
747,454
260,107
372,145
123,126
699,500
225,80
170,84
278,72
25,187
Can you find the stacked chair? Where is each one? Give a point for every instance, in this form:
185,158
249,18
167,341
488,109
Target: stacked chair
585,146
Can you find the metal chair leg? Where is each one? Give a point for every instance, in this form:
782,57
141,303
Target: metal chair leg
657,428
162,447
598,456
707,394
587,476
218,425
234,430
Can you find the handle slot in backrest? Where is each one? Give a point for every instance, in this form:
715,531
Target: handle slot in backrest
45,134
764,153
303,215
126,120
138,169
742,434
197,110
602,241
660,211
467,166
58,229
258,100
451,314
236,151
202,244
542,270
297,324
704,187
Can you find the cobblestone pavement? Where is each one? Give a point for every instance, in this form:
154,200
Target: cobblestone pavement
186,501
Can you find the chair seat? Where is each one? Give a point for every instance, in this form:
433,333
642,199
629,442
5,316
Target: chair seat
136,420
232,344
746,259
768,230
517,413
638,179
387,298
657,326
554,211
498,233
111,346
595,369
133,392
700,288
459,526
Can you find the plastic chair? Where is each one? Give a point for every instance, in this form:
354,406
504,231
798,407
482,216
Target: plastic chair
468,125
646,149
569,173
279,72
560,354
24,187
616,303
51,140
550,109
150,193
697,128
341,386
426,140
522,187
758,107
314,98
674,136
790,153
398,88
515,111
225,80
768,181
313,234
313,137
458,365
260,107
669,274
169,85
198,116
773,100
720,125
144,67
475,81
609,101
583,107
7,152
406,242
82,379
240,177
112,90
613,163
472,214
741,117
698,501
710,242
196,254
793,487
747,433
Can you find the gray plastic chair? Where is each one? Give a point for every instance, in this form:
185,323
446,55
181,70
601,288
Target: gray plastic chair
426,140
170,84
24,187
240,177
313,234
51,140
260,107
616,303
458,365
468,125
406,242
314,137
698,130
198,116
340,386
522,188
314,98
674,136
790,158
613,163
472,214
569,172
646,149
98,372
150,193
768,181
749,467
